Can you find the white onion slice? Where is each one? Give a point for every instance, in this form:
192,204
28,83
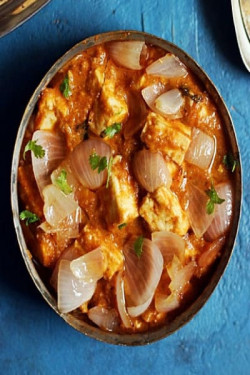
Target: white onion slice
55,151
127,54
88,267
57,205
165,303
167,66
201,150
104,318
169,103
151,170
81,166
135,311
142,274
180,275
170,244
72,292
70,253
223,212
199,219
151,93
120,299
208,257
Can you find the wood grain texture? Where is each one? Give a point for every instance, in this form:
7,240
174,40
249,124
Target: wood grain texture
33,339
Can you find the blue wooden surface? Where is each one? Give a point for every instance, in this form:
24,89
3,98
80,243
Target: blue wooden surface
33,339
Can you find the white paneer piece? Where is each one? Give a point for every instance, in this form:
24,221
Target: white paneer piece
171,137
111,106
120,199
51,106
162,211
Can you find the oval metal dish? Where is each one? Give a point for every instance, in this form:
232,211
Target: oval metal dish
191,310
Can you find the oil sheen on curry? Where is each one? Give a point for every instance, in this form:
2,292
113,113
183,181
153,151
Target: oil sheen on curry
125,183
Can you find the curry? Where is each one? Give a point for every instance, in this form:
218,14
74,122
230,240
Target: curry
125,184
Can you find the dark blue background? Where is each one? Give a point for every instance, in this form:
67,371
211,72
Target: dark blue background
33,339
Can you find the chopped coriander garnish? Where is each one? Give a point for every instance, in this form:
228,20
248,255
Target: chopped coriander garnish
214,199
112,130
109,167
101,162
61,182
97,161
230,162
30,217
122,225
186,92
138,246
38,151
65,87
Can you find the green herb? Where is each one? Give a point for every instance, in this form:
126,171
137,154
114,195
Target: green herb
230,162
122,225
38,151
100,163
138,246
61,182
65,87
109,167
112,130
186,92
214,199
29,217
96,161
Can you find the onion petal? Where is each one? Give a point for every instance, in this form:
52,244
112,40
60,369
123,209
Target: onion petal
127,54
80,162
120,299
89,267
180,275
70,253
170,103
151,93
170,244
151,170
57,205
199,219
165,303
72,292
223,212
201,149
55,151
167,66
135,311
208,256
104,318
142,274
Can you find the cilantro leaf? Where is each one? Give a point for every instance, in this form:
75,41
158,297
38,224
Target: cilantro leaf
230,162
138,246
29,216
112,130
109,167
103,163
38,151
122,225
94,160
61,182
65,87
213,199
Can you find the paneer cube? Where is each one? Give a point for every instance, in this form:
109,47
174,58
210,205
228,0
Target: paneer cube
171,137
120,199
162,211
51,106
111,106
